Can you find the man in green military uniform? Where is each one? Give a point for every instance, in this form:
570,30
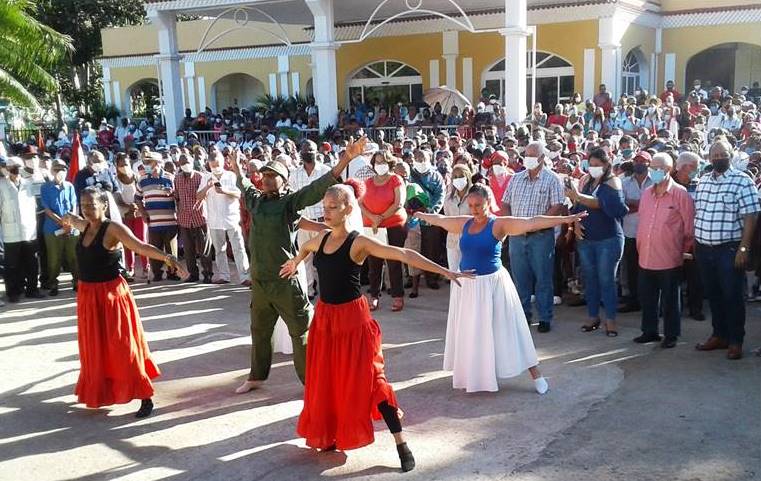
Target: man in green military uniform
274,217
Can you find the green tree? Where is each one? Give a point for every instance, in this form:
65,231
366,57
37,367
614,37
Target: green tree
28,50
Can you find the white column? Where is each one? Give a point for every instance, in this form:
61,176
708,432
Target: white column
324,61
589,73
433,71
273,84
201,93
658,52
295,83
169,65
107,86
610,31
608,70
515,33
190,73
669,71
451,49
467,78
283,66
118,99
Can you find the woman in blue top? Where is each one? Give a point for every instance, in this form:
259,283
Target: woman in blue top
487,333
600,238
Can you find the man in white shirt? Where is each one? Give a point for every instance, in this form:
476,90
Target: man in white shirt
310,170
223,208
284,122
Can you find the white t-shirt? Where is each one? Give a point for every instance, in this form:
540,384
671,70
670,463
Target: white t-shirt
223,211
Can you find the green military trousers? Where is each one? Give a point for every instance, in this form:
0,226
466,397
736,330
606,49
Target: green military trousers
269,299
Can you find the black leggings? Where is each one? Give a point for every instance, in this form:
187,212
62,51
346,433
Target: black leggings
391,417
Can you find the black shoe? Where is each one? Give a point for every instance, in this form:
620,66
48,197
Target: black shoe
158,277
35,295
146,407
544,327
629,308
408,283
130,279
668,342
645,338
699,316
191,279
14,299
207,280
173,277
53,291
413,294
406,457
591,327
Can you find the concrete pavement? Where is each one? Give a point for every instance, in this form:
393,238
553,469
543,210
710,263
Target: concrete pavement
616,410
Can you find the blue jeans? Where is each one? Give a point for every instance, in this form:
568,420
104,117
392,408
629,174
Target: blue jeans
724,286
532,264
660,288
599,263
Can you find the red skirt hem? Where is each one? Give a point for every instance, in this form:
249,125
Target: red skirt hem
345,378
116,364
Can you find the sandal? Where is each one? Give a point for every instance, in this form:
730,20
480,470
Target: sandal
591,327
610,332
398,304
413,294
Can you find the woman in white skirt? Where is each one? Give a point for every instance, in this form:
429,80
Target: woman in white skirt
487,333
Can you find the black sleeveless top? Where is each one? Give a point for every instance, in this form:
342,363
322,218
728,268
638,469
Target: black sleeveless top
95,262
337,272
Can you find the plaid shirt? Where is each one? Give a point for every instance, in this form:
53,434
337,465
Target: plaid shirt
528,198
720,204
300,179
185,188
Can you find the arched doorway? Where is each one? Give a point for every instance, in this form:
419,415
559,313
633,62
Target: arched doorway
309,88
730,65
143,99
634,72
236,90
384,83
555,78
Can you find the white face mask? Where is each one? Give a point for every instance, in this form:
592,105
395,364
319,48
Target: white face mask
531,163
381,169
217,170
499,170
596,171
30,163
98,167
187,168
553,154
421,167
60,176
460,183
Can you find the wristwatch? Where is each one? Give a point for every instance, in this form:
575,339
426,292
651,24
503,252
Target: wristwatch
743,249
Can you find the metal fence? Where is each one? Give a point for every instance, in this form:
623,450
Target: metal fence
27,136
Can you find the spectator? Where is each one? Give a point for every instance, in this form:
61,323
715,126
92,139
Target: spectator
633,186
191,220
672,91
456,203
222,196
600,238
18,215
383,213
126,181
58,200
155,200
726,211
534,191
603,100
664,238
431,182
697,89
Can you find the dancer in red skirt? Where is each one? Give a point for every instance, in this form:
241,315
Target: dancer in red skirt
346,388
116,363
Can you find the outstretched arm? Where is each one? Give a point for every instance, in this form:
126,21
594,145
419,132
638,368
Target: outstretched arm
128,239
506,226
453,224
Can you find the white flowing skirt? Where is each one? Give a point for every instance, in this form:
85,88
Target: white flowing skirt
487,333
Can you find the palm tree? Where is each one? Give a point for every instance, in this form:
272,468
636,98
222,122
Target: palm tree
28,51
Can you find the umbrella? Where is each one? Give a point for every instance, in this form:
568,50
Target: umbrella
447,97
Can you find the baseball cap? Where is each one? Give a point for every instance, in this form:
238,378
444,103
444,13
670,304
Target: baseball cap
276,167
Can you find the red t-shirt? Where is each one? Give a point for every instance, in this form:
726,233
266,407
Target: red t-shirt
378,198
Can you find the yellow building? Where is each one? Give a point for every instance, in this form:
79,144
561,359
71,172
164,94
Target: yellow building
395,49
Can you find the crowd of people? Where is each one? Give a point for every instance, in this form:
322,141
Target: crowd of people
614,206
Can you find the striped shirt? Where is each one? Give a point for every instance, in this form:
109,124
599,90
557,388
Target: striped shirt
528,198
721,202
157,196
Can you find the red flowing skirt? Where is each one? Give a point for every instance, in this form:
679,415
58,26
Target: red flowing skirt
345,381
116,362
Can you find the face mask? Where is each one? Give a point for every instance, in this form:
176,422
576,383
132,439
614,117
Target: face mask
460,183
640,169
60,176
651,110
29,163
98,167
381,169
499,170
187,168
596,172
421,167
627,153
531,163
743,92
217,170
148,170
693,174
223,138
720,165
657,175
553,154
307,157
180,139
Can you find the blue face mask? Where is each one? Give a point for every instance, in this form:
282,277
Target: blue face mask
657,175
148,170
693,174
627,153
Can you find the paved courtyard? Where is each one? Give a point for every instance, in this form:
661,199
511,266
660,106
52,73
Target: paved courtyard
616,410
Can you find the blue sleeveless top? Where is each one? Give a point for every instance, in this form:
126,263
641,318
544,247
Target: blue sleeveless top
480,252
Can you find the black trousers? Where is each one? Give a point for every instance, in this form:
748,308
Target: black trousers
42,251
430,248
660,288
21,267
396,238
631,259
164,240
194,243
695,293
